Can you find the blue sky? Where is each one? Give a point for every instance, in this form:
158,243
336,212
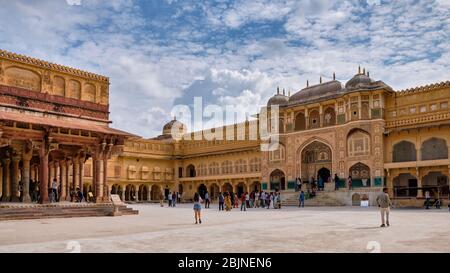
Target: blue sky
161,53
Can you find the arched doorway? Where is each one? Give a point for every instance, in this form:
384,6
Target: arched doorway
214,191
405,185
227,187
356,199
255,186
240,189
115,189
190,171
325,174
277,180
436,183
143,193
202,189
360,175
155,192
180,188
130,193
315,157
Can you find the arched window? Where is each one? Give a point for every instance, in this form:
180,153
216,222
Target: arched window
190,171
329,117
255,164
404,151
240,166
314,119
214,168
434,149
280,126
202,171
358,143
277,155
300,122
227,167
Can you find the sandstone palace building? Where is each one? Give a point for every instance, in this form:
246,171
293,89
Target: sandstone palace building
54,123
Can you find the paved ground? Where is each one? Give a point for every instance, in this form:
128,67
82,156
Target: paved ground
157,229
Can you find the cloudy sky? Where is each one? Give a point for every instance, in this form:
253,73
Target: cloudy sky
162,53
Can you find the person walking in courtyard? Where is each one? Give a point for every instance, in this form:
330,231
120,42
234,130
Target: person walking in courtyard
174,199
161,199
236,201
320,181
299,184
336,182
178,197
221,201
268,198
301,199
350,183
256,199
244,201
207,200
384,202
278,200
169,199
263,199
247,200
227,202
197,208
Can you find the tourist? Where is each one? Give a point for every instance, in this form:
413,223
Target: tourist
247,200
161,199
299,184
231,194
79,195
256,204
384,202
228,201
263,199
279,200
178,197
268,197
55,189
206,200
174,199
236,201
197,208
336,182
169,199
350,182
427,199
244,201
251,201
320,180
301,200
221,201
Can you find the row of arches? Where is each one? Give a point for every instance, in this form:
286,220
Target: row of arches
137,193
406,184
314,120
214,189
226,167
431,149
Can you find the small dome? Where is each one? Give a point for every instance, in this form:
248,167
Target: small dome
174,124
316,92
278,99
358,81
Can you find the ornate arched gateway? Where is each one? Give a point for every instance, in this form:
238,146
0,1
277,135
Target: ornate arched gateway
316,161
277,180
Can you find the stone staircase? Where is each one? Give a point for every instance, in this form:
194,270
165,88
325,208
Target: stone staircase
322,199
59,210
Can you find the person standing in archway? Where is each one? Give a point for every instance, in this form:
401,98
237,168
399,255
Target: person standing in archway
350,182
207,200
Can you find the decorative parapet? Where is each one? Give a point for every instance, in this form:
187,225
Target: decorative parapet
425,88
44,64
418,120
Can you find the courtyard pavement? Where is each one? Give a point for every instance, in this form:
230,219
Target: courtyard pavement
168,230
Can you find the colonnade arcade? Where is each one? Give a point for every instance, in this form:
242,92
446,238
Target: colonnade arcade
44,154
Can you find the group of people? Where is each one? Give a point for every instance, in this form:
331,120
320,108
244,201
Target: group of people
255,199
172,198
54,192
318,184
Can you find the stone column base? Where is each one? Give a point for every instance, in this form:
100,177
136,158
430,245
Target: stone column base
15,199
26,199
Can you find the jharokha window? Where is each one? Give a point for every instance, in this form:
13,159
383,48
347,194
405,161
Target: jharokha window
255,165
227,167
358,143
277,155
241,166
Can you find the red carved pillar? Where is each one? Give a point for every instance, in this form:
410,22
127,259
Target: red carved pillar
66,174
15,195
107,191
6,191
26,177
43,174
75,172
63,179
